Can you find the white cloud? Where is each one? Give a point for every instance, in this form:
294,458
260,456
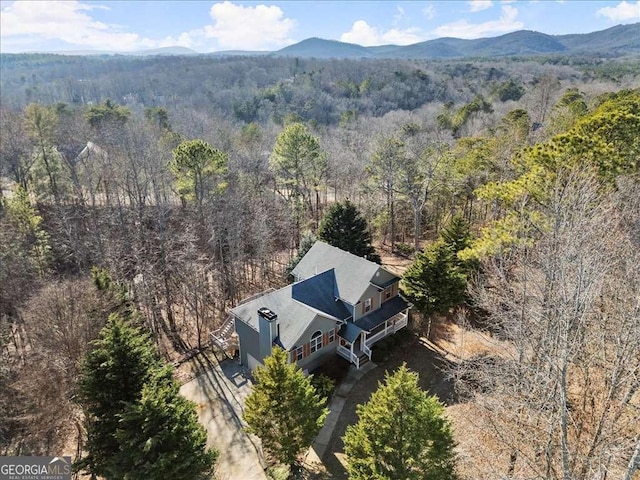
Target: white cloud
251,28
407,36
429,11
25,23
364,34
622,12
478,5
463,29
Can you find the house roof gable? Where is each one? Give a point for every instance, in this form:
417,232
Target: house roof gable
321,292
297,307
353,274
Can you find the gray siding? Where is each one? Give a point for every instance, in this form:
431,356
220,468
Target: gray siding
373,293
312,360
249,341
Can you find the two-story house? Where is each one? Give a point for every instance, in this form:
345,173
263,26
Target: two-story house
339,304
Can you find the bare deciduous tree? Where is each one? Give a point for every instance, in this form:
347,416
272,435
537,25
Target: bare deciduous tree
562,397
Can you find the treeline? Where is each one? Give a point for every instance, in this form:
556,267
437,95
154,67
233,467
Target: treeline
266,88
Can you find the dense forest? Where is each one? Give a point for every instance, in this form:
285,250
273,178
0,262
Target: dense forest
169,188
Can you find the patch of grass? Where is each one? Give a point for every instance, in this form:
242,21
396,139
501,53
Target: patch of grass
278,472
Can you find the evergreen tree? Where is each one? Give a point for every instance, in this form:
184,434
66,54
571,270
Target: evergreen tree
284,409
343,226
437,278
160,436
112,377
300,166
129,400
401,433
433,282
457,236
198,168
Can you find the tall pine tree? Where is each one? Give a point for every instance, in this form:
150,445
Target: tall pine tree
343,226
160,437
437,278
136,424
112,378
284,409
401,433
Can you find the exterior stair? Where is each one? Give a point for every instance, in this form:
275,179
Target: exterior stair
223,336
362,359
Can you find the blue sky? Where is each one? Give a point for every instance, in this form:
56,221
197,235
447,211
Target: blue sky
207,26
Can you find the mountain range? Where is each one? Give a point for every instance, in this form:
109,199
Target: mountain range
615,41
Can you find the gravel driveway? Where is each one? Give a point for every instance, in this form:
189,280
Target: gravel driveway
219,391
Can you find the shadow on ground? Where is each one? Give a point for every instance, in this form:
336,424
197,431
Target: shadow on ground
219,390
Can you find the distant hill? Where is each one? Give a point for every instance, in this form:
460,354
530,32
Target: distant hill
136,53
523,42
619,40
320,48
164,51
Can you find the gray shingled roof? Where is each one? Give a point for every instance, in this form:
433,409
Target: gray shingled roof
294,317
321,292
353,274
350,331
297,306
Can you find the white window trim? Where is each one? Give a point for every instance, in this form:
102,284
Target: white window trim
316,342
368,305
332,336
299,353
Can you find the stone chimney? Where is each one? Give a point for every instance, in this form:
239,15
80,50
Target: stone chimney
267,331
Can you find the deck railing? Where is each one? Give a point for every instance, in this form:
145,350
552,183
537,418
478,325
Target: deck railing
346,354
401,323
223,336
393,324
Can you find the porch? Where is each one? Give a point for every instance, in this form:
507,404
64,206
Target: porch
357,338
389,327
350,345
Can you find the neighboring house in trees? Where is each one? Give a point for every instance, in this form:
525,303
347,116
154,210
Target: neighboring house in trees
339,304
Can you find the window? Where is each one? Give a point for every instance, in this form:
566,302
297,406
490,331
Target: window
299,354
367,305
316,342
387,292
332,336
